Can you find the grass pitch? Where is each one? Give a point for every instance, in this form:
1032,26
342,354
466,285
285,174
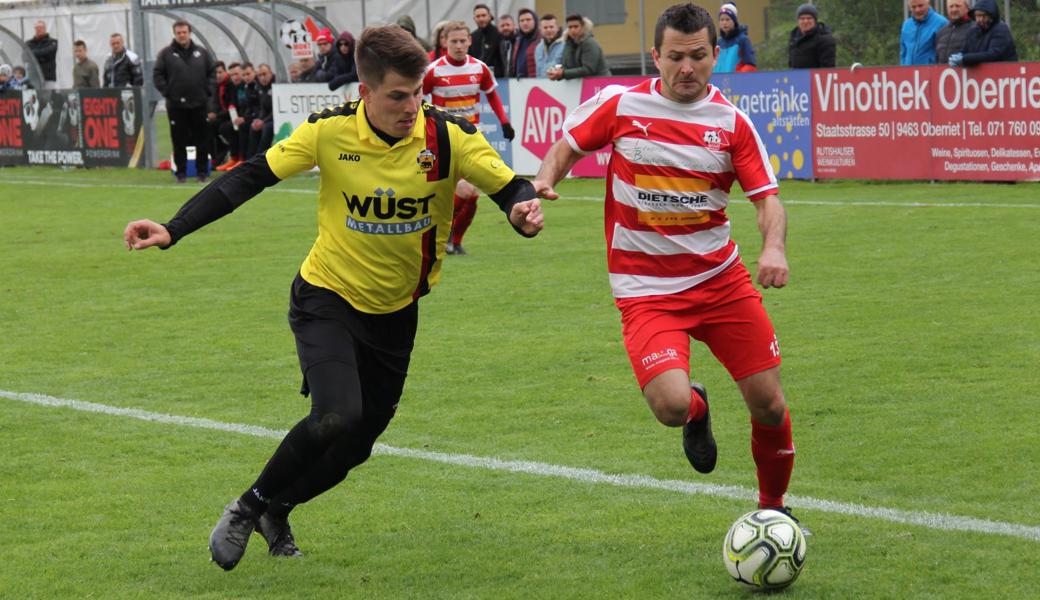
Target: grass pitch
910,350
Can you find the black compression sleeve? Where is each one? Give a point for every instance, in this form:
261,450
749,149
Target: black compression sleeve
516,191
221,197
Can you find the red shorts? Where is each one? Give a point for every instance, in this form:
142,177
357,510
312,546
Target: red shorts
724,312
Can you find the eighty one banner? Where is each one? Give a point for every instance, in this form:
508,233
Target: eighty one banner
89,127
980,123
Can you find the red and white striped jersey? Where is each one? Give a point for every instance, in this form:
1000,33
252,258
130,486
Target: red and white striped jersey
668,183
457,88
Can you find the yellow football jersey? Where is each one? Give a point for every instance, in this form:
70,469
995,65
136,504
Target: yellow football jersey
384,213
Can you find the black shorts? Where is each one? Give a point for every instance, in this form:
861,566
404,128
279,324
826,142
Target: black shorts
328,328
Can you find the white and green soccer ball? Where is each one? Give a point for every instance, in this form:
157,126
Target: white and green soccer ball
764,549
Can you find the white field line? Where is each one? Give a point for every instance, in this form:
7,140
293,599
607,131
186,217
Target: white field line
940,521
565,198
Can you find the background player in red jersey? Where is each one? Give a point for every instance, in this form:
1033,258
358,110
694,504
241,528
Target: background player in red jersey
678,146
455,82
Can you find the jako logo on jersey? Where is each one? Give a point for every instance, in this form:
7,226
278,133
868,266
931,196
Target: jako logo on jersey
384,204
642,127
350,157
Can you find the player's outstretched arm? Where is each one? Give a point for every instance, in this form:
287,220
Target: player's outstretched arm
217,199
772,223
557,163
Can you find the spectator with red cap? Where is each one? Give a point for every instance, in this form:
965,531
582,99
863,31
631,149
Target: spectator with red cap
326,62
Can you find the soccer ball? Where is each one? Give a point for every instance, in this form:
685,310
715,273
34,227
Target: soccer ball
764,549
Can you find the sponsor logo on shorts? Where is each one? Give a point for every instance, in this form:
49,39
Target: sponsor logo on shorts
660,356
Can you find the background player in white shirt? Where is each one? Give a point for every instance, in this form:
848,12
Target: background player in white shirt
678,145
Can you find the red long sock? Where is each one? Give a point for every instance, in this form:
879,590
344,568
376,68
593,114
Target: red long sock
697,406
773,451
465,209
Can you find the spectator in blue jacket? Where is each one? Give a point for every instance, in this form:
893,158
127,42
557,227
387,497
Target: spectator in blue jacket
917,40
736,54
549,51
989,40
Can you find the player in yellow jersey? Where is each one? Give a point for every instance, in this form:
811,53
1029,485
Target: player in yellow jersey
389,165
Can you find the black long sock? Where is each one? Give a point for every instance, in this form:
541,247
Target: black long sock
291,458
331,468
335,412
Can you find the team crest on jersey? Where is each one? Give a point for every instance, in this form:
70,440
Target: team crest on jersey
712,139
425,160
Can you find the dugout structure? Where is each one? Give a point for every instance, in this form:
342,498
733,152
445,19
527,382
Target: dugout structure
152,26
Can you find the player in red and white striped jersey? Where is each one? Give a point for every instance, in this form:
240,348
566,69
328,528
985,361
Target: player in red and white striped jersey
678,147
454,83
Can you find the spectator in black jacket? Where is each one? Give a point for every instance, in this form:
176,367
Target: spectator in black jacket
261,128
989,40
506,44
950,39
45,49
184,74
486,42
122,67
308,70
345,71
812,45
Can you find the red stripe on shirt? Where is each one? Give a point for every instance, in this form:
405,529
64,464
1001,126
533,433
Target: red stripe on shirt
626,262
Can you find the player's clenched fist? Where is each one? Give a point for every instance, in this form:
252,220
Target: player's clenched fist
528,216
142,234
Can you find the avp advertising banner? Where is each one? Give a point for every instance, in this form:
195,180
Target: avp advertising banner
537,110
88,127
980,123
